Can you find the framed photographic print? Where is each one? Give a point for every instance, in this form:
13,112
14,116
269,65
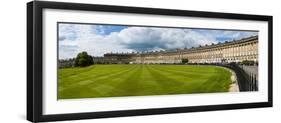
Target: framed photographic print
95,61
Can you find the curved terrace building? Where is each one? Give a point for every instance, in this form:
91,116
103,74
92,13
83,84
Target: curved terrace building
227,52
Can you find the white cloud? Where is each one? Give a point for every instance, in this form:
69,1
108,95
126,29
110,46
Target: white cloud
79,38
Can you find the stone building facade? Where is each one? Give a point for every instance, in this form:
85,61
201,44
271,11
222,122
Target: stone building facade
227,52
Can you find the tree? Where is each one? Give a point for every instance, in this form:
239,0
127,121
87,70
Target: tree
184,61
83,60
248,62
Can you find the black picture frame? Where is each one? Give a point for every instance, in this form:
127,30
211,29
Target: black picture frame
35,69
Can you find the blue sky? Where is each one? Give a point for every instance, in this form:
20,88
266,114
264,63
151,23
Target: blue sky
107,29
100,39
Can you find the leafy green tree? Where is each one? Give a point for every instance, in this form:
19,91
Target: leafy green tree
184,61
83,60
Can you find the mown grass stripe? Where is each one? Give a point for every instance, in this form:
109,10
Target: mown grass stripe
140,80
85,80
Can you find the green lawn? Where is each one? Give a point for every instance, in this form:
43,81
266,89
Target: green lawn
138,80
